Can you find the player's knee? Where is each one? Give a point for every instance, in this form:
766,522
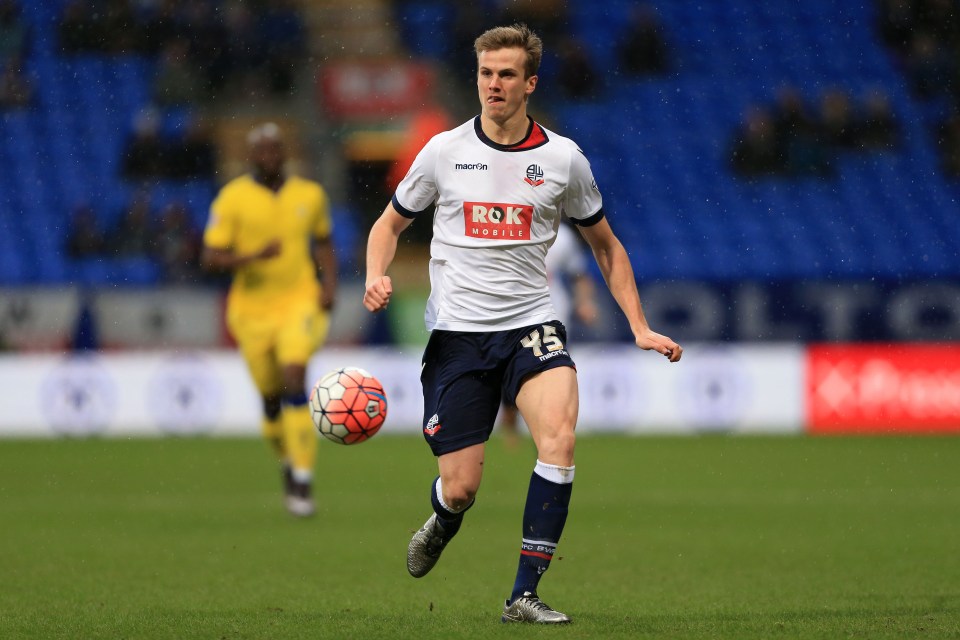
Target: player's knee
293,380
458,497
271,407
558,448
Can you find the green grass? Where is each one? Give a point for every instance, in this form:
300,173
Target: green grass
706,537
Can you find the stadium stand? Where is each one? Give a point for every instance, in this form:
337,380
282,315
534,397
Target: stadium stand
663,166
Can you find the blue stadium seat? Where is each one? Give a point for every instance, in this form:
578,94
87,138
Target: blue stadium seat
658,146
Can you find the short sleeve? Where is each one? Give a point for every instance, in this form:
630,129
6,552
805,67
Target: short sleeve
323,220
220,230
418,189
582,202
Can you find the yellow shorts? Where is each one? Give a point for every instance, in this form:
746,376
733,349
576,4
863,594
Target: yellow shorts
285,335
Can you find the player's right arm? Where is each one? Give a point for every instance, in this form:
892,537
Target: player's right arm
217,259
220,236
381,249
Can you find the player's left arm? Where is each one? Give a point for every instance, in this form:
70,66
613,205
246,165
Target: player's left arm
322,250
326,260
618,274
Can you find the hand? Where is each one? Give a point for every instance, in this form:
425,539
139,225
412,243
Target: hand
651,340
377,296
327,297
270,250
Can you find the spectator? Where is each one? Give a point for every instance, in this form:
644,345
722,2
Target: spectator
78,30
948,143
577,79
208,40
84,239
940,19
897,22
837,124
469,16
877,128
550,19
133,235
797,136
119,28
929,66
144,156
107,26
178,245
755,152
13,33
177,82
162,25
194,155
285,41
643,50
16,89
244,51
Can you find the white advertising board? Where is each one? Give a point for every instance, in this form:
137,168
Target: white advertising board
725,389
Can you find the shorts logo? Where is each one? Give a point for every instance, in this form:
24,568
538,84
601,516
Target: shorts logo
433,425
534,175
497,220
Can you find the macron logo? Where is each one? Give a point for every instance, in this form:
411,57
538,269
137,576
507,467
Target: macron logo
473,166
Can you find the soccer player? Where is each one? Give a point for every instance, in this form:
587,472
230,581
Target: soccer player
498,185
273,232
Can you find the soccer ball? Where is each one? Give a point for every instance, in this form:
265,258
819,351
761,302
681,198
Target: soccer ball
348,405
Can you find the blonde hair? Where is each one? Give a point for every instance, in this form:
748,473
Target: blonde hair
518,36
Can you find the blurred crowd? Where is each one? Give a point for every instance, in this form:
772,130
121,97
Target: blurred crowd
167,237
16,87
186,154
201,46
924,36
791,138
641,48
195,51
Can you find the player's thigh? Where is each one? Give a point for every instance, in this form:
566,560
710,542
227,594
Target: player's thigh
549,402
303,329
256,340
461,393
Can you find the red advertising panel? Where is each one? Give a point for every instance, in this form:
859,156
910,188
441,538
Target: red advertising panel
360,89
897,388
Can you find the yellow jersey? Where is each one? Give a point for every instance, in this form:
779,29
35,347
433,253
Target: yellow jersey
247,215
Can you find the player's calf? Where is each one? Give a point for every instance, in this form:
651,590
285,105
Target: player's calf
431,539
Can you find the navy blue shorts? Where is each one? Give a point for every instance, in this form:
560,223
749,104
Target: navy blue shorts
466,374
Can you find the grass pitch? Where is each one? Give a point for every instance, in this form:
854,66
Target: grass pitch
707,537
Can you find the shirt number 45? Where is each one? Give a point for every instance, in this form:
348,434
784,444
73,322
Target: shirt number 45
549,339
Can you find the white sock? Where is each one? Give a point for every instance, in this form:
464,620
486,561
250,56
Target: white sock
554,473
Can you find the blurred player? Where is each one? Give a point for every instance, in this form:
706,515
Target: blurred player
572,294
273,232
497,187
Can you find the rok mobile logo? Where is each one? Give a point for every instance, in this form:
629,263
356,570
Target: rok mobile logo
472,166
497,220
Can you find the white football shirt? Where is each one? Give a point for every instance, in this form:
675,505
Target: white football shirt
496,213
